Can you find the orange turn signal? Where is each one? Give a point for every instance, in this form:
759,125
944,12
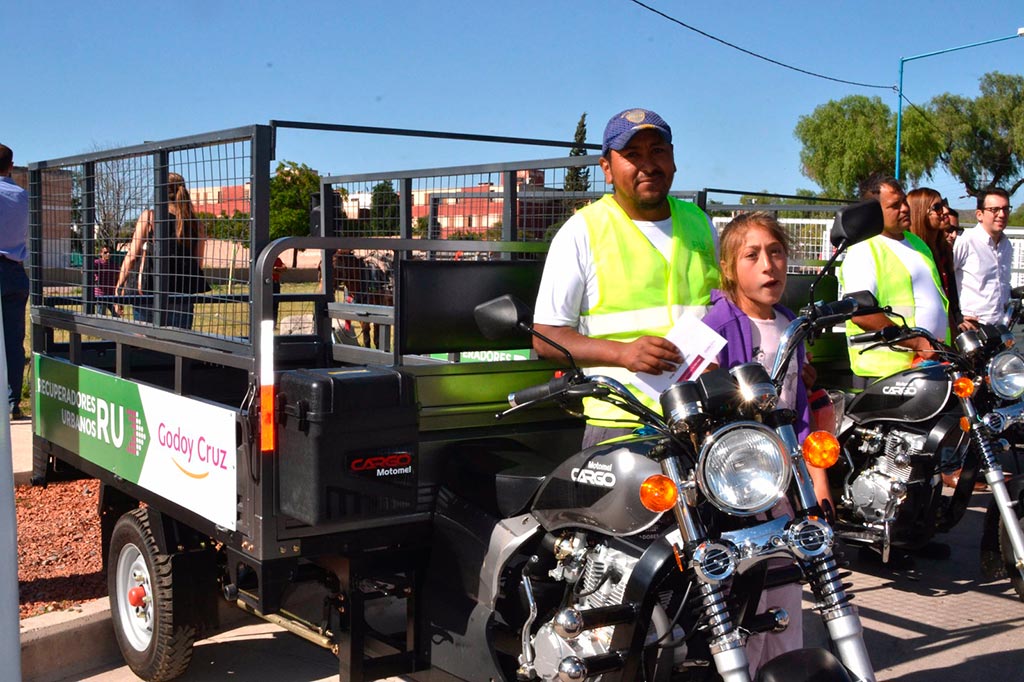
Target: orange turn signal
821,449
963,387
658,493
965,424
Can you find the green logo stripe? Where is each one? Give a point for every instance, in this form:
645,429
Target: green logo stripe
92,413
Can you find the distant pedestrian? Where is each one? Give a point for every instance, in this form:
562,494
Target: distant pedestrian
13,278
276,278
105,280
983,258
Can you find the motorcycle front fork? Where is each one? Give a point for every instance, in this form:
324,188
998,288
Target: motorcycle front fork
728,645
997,484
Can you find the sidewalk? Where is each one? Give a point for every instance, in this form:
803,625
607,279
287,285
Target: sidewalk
937,621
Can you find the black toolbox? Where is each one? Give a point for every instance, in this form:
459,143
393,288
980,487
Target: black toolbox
347,445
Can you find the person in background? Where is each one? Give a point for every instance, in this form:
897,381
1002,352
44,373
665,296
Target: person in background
746,312
13,278
105,280
276,280
897,267
182,256
623,269
928,220
953,229
983,258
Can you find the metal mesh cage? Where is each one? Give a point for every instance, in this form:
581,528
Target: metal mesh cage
160,239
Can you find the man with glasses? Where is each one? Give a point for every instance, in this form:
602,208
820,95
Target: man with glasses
983,259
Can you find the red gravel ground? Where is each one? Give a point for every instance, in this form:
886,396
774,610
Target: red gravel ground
59,553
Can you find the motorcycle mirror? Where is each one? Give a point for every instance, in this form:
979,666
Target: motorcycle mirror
856,223
503,317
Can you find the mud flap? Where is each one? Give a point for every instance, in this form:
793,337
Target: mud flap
992,566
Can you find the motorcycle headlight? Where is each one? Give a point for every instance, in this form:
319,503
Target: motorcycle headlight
743,468
1006,375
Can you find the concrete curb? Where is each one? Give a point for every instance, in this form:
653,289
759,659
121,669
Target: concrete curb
64,644
56,645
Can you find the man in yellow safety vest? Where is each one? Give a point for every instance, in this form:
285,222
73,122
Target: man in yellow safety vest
622,270
898,268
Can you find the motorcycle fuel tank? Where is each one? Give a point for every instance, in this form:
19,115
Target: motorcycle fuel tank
599,489
912,395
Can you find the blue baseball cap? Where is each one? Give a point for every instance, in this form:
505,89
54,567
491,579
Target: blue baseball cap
624,125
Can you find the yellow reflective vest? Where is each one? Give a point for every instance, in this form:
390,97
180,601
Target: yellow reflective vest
639,292
895,289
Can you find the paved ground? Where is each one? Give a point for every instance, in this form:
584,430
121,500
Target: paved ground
938,621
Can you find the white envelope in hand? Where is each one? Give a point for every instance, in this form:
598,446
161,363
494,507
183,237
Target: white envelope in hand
699,345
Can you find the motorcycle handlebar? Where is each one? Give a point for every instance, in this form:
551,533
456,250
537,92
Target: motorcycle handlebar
844,306
533,393
885,334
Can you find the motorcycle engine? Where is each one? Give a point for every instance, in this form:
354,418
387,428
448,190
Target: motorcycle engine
605,573
884,483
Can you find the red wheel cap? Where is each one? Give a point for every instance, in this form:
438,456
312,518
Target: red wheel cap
136,596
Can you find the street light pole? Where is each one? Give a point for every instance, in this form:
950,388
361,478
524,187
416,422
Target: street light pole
899,90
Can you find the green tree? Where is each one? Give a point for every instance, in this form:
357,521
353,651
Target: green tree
577,179
290,190
844,141
982,140
979,141
384,218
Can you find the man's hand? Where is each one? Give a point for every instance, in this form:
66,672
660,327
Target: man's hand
650,354
809,375
969,323
921,346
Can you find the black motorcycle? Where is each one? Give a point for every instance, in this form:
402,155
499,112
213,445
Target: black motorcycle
903,431
644,558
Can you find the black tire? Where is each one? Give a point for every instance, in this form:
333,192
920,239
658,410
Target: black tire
154,646
1006,552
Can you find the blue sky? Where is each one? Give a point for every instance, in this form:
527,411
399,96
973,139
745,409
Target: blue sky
85,75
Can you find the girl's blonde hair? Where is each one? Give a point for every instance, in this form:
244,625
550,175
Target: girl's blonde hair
731,240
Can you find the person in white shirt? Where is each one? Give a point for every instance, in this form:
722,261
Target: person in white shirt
623,269
864,269
983,259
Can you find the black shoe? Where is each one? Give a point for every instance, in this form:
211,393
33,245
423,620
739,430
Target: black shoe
17,414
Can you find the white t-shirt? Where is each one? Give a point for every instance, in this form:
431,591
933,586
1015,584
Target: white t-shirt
569,283
859,275
764,340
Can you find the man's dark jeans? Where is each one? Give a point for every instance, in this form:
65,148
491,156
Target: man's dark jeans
14,296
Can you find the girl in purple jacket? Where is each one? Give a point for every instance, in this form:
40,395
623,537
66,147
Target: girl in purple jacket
755,252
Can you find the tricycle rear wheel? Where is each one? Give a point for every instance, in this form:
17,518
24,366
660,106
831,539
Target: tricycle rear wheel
139,579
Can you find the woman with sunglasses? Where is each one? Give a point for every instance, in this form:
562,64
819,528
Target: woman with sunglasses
929,221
